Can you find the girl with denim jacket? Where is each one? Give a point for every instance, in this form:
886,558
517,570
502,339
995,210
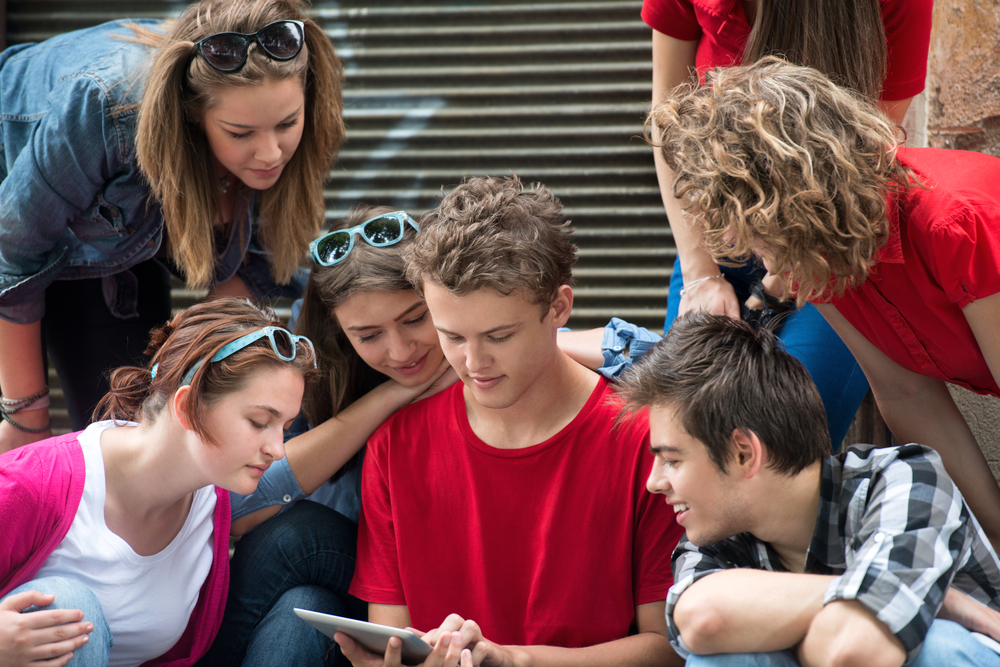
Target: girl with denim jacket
199,146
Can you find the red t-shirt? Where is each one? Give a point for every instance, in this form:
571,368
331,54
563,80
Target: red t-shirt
722,30
942,254
552,544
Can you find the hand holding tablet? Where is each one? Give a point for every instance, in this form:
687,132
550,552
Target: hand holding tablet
371,636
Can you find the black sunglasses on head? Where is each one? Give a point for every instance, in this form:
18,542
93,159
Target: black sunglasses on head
227,51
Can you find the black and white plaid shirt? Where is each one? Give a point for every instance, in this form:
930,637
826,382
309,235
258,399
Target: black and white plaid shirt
894,528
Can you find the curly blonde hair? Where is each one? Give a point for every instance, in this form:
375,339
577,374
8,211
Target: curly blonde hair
774,157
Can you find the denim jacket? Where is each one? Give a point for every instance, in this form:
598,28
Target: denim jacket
73,201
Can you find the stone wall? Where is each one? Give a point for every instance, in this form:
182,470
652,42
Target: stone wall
960,109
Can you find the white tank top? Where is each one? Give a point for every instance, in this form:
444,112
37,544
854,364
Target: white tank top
147,600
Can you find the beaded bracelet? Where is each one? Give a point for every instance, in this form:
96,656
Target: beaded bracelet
9,406
25,428
694,283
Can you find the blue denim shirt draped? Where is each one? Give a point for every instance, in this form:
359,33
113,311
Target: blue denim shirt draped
73,201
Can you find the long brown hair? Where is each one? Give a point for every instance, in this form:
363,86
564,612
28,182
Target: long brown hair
844,39
173,152
366,269
192,336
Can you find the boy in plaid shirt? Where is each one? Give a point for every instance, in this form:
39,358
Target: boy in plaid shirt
868,558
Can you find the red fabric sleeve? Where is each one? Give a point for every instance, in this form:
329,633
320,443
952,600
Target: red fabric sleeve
964,254
675,18
376,576
656,535
908,36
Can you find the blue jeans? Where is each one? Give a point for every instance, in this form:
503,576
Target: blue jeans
304,557
808,338
947,644
72,594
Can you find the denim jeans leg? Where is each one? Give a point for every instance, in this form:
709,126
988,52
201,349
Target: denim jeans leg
283,639
307,545
807,337
841,382
72,594
948,643
775,659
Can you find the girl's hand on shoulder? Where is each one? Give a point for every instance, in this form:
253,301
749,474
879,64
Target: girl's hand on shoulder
45,635
443,378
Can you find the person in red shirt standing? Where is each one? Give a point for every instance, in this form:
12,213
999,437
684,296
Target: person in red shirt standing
508,514
877,47
898,248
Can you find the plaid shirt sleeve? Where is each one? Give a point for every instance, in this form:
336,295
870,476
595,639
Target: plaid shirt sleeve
691,563
911,528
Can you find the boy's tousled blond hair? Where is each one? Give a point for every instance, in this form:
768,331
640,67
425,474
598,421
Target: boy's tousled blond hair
498,233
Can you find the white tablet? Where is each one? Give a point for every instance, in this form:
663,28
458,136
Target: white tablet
372,636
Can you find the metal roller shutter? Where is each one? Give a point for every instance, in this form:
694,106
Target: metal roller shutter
555,92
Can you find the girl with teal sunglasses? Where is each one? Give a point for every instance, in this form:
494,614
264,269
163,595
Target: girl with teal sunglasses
115,545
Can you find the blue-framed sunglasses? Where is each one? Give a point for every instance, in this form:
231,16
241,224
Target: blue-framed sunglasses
283,342
227,51
380,231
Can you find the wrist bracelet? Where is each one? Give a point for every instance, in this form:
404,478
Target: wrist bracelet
9,406
694,283
25,428
37,404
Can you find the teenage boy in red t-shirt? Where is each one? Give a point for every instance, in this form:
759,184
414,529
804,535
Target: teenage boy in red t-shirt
508,515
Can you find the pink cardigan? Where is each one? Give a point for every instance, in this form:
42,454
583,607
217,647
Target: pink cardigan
40,489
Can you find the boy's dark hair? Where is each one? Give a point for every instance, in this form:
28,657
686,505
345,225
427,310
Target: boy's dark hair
498,233
722,375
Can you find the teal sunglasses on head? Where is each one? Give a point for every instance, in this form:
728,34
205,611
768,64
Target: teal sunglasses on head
382,230
283,342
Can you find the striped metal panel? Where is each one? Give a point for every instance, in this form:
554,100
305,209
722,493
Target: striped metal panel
439,90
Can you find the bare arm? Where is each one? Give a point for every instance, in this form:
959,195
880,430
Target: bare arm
749,611
22,374
649,647
583,347
845,632
316,455
920,409
895,109
983,316
754,611
673,60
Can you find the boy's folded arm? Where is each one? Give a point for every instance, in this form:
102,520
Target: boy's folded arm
748,611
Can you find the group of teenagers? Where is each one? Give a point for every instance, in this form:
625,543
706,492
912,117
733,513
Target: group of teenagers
426,445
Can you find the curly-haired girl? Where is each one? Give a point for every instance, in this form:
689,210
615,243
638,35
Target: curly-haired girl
899,248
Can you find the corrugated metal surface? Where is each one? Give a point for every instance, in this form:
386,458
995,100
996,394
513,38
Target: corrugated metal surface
436,90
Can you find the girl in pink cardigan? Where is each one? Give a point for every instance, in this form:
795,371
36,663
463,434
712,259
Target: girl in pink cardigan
116,538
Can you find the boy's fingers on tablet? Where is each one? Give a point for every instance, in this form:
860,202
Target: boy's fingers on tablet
451,623
470,633
394,652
